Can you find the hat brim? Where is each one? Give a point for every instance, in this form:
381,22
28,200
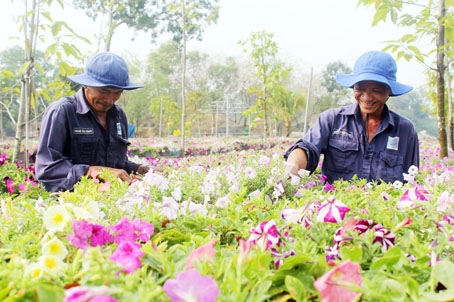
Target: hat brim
349,80
84,79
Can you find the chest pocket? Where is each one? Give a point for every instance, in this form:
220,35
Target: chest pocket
342,155
83,149
117,152
390,166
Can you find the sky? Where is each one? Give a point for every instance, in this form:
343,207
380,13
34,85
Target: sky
309,33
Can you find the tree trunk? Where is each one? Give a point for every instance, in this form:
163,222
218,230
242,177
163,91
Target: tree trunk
441,83
183,81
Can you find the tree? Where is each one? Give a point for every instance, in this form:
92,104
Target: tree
431,20
336,92
137,14
35,20
270,73
185,21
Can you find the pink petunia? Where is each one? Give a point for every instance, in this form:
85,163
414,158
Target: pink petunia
332,210
336,285
205,252
123,231
82,230
9,185
86,234
191,286
88,294
128,256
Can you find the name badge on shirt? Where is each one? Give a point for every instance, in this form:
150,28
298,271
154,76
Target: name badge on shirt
393,143
83,131
118,129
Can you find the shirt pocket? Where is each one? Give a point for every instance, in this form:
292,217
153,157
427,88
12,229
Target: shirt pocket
342,155
391,166
117,152
84,150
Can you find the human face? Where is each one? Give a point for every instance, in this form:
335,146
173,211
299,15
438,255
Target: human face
101,99
371,96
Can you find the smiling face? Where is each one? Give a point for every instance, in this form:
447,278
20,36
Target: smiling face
371,97
101,99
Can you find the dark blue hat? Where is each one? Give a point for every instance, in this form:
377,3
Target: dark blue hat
374,66
106,69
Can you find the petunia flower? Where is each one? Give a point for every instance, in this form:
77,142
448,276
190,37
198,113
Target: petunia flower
341,284
86,234
88,294
51,264
128,256
191,286
265,235
56,218
55,248
205,252
413,195
332,210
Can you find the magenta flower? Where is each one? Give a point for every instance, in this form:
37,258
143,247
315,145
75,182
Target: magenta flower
191,286
332,210
384,236
9,185
88,294
86,233
336,285
136,230
142,230
411,196
265,235
100,235
128,256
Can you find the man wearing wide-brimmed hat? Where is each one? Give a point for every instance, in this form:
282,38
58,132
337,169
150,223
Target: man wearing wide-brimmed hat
365,139
87,132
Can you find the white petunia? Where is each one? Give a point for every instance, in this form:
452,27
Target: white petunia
56,218
55,247
51,264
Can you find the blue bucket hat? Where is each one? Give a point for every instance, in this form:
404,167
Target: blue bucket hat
106,69
374,66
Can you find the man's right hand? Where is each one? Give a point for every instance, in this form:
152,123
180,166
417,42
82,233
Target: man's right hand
95,171
298,160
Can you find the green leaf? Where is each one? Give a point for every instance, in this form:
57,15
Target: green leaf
443,296
389,259
443,272
296,288
353,253
50,293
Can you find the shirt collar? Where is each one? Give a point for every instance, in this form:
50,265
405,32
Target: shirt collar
82,105
353,109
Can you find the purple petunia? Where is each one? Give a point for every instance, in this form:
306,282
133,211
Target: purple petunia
332,210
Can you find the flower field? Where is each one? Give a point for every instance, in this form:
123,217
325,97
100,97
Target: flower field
227,223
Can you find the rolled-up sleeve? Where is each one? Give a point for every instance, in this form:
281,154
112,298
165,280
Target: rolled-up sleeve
54,170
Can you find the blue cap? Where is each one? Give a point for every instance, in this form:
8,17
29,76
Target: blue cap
374,66
106,69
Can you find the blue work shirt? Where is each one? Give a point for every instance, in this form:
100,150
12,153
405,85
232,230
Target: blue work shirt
340,135
72,139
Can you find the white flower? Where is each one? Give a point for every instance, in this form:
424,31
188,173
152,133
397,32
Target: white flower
223,201
250,172
397,184
51,264
254,195
34,270
56,218
89,212
55,247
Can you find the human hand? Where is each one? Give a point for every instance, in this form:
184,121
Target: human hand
95,172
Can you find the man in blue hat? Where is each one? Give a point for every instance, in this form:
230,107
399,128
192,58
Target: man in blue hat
87,132
365,139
